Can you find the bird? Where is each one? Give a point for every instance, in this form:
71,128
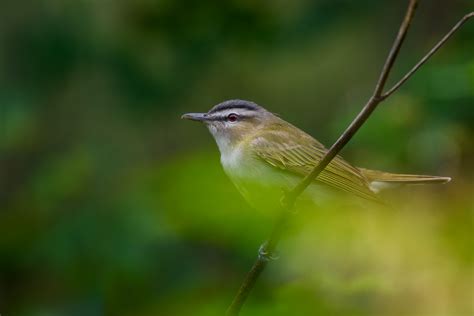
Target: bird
264,156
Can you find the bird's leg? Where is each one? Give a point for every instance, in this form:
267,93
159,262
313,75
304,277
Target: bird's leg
285,193
263,254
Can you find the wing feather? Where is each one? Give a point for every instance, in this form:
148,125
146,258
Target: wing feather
299,154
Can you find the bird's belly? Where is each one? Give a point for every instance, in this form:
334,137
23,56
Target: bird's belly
258,183
262,190
263,186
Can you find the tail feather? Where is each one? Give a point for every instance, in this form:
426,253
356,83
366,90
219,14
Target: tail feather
380,179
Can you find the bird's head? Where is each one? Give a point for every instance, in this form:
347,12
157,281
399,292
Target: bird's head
231,121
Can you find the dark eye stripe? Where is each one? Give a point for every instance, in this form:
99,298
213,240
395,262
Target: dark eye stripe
224,117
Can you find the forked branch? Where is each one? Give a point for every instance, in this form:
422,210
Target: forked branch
428,55
268,249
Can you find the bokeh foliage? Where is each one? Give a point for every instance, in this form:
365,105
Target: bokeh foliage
110,205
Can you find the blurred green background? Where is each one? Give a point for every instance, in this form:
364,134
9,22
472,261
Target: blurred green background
111,205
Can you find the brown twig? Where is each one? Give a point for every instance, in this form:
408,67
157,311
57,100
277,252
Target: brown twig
428,55
288,201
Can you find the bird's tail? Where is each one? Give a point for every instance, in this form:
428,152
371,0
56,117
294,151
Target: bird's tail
379,179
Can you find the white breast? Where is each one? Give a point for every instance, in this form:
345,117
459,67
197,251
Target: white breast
239,163
260,184
235,163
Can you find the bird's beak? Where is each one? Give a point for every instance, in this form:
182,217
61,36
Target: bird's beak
195,116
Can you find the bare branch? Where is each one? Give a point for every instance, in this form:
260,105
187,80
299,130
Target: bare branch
263,258
393,54
427,56
268,249
289,198
366,111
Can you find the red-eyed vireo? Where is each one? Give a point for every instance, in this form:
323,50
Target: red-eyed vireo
264,155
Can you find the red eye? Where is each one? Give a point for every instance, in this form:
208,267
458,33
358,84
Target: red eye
232,117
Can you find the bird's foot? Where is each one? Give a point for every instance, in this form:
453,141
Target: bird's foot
263,254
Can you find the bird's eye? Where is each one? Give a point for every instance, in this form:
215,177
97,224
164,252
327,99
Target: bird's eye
232,117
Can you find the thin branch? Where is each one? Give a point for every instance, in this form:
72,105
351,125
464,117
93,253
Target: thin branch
288,201
397,44
367,110
264,256
289,198
428,55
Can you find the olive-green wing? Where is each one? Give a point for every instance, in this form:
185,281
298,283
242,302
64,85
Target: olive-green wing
299,153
